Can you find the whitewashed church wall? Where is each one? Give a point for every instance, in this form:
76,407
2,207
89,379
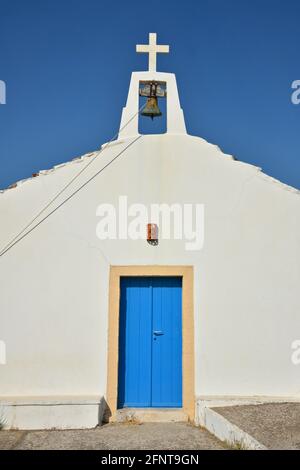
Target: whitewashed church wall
54,283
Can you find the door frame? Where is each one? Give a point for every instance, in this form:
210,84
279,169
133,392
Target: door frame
188,368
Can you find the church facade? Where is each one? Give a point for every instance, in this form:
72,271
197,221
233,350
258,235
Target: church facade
99,314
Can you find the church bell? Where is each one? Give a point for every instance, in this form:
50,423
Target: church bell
151,109
151,90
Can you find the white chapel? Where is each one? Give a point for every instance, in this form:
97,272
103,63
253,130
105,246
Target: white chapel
101,313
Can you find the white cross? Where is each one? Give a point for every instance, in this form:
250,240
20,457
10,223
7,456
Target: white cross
152,49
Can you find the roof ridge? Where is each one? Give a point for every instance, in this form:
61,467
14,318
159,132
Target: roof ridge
220,153
49,170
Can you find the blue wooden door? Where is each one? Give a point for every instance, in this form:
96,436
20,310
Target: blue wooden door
150,344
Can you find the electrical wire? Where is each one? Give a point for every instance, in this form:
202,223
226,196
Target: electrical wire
68,198
5,248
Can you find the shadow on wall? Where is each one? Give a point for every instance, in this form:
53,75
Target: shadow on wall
104,412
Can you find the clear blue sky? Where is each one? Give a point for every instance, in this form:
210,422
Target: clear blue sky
67,65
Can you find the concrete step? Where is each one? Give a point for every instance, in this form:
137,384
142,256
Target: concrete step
151,415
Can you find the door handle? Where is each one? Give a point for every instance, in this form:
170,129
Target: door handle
158,333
